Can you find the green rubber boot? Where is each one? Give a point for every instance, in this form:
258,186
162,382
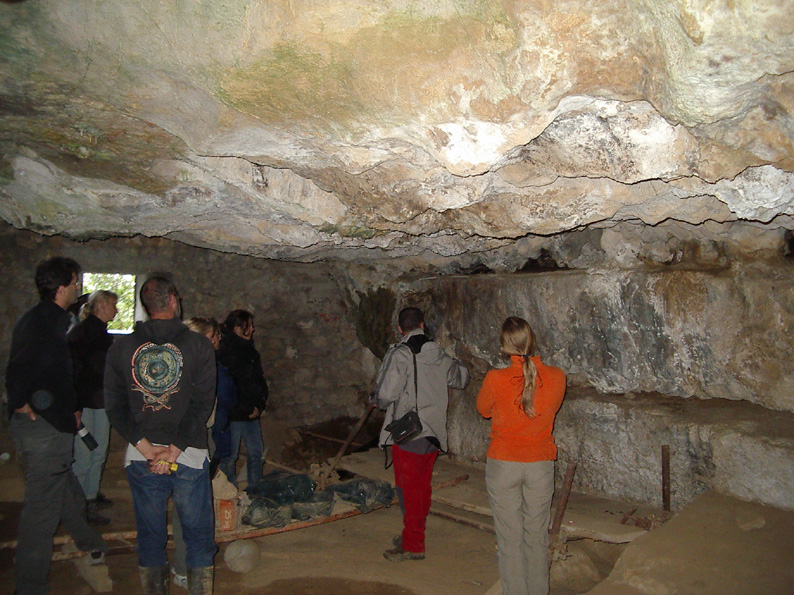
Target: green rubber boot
154,579
199,580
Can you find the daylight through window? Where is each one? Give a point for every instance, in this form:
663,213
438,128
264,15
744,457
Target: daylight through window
123,286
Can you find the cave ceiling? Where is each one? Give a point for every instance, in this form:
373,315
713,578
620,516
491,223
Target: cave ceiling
350,130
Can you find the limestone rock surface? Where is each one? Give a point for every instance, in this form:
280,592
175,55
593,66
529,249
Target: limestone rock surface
359,130
722,333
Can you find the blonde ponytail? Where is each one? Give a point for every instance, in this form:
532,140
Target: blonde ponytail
517,339
530,382
97,297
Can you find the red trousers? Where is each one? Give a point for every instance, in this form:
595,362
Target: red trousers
412,474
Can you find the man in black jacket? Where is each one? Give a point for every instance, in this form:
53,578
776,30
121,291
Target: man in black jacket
42,403
159,392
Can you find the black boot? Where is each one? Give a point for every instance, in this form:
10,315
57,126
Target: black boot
93,516
103,501
199,580
154,579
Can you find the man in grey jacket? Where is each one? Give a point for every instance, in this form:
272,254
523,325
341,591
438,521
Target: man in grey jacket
416,374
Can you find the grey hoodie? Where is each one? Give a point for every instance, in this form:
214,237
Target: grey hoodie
436,372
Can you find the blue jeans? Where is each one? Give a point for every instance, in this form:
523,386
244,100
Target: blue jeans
88,464
52,496
192,494
251,432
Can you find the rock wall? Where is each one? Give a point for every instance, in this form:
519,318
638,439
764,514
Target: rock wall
734,447
306,331
721,335
691,355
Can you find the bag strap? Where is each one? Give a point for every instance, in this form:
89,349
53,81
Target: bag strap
416,386
416,382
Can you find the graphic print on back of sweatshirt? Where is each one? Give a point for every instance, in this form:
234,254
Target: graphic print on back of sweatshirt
156,370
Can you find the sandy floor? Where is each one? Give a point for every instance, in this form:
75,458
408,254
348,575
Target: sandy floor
716,545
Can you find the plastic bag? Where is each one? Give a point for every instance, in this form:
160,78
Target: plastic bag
283,487
320,505
263,512
365,494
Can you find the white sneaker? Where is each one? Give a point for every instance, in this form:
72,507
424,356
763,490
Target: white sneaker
179,580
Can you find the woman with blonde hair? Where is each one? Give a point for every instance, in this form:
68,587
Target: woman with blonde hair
89,342
521,401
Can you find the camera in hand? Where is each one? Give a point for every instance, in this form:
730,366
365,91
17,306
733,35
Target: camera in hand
86,436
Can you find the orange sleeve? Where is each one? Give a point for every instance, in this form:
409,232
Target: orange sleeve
485,397
551,394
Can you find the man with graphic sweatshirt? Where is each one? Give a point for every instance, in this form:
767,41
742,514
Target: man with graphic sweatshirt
159,392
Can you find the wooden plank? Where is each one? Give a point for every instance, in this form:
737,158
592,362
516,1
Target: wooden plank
251,532
586,516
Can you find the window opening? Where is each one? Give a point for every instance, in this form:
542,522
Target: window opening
123,286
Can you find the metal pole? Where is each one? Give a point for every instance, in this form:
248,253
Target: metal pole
464,521
324,479
567,484
666,477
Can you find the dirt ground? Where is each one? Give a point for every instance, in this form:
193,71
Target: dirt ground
715,545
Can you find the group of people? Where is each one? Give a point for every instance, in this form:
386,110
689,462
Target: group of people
157,388
165,384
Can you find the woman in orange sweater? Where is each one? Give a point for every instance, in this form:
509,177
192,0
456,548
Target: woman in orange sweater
522,401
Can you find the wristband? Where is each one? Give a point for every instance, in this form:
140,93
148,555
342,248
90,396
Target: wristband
171,466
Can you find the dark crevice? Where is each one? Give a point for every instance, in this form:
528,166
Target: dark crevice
476,269
788,244
542,264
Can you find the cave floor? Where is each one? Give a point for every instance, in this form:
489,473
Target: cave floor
714,545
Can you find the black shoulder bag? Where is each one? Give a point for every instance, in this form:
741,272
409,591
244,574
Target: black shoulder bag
409,424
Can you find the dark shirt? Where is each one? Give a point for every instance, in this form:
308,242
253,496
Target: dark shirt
160,384
89,342
39,369
226,390
245,366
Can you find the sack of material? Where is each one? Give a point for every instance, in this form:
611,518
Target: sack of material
264,512
320,505
283,487
364,494
405,427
